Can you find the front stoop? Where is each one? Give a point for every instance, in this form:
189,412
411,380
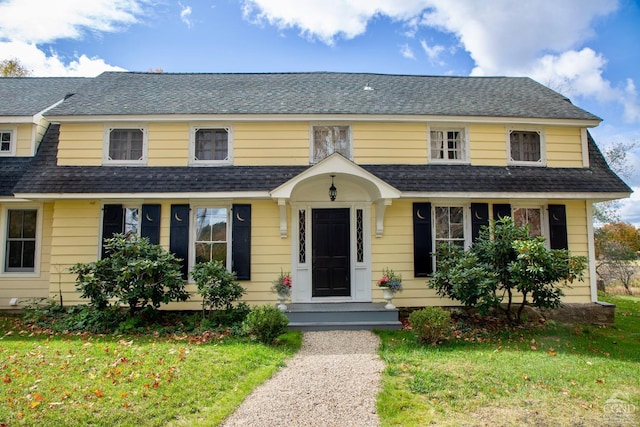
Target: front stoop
341,316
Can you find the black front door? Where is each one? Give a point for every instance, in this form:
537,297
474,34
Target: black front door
331,254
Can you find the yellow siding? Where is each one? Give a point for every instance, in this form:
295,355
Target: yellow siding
168,144
287,143
383,143
488,145
564,147
24,146
271,144
75,229
80,144
29,286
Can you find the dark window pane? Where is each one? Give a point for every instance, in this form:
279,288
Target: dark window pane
211,144
126,144
14,260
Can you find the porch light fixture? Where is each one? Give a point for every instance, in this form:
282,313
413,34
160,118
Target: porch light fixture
333,191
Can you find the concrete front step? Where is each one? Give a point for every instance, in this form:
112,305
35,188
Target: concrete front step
341,316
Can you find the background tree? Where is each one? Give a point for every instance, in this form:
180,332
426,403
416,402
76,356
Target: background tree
617,249
13,68
616,155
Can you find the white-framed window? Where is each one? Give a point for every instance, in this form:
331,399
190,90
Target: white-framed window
531,216
329,139
449,225
125,145
211,234
7,142
21,239
448,144
526,147
211,145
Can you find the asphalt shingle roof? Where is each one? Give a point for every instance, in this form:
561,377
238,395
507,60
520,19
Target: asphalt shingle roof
45,177
127,93
11,170
27,96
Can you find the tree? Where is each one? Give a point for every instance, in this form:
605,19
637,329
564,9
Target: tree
622,233
617,248
13,68
502,264
135,273
616,157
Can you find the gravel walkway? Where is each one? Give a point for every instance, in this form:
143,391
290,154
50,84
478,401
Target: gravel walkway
332,381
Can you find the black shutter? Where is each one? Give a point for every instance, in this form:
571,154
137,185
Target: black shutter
111,223
150,227
479,218
501,210
241,241
558,227
422,244
179,235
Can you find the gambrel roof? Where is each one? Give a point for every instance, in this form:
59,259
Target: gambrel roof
142,94
28,96
45,177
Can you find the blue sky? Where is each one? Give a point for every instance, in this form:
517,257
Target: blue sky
589,50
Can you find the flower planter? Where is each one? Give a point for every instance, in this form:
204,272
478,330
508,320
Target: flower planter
282,298
388,294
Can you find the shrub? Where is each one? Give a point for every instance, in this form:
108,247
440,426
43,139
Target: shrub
135,273
430,324
267,323
217,286
503,263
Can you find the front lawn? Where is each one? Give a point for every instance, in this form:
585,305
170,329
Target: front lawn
553,375
81,380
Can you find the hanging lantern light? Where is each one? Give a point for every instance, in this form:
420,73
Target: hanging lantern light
333,191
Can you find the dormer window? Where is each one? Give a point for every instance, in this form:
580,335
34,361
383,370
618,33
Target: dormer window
211,145
126,146
7,142
526,147
329,139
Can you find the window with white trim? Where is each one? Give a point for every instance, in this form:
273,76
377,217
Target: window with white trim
328,139
528,216
448,145
449,225
125,145
526,147
7,142
210,145
20,245
211,234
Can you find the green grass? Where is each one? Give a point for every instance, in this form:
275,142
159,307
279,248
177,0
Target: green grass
52,380
553,375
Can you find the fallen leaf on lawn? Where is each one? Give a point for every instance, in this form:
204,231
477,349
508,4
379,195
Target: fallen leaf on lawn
534,348
98,393
599,381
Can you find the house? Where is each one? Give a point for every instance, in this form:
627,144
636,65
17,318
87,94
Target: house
238,167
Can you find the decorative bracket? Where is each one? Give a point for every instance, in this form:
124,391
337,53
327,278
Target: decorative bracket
381,205
282,203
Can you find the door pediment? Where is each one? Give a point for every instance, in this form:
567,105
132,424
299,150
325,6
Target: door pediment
353,183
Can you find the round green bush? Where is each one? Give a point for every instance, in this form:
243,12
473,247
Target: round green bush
430,324
267,323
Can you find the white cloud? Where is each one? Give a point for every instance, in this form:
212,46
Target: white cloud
185,15
49,64
37,21
407,52
327,20
433,52
24,24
